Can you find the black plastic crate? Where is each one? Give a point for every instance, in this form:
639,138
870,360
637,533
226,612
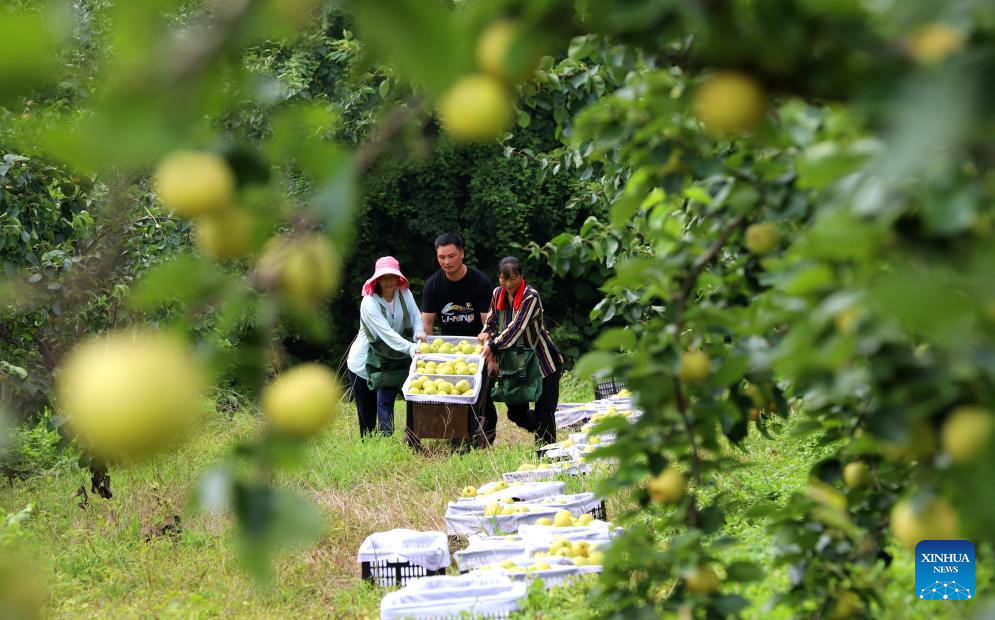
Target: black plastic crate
600,511
608,386
384,573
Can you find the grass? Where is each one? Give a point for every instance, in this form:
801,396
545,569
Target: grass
97,563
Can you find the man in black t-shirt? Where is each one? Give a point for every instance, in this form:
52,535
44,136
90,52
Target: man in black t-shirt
459,297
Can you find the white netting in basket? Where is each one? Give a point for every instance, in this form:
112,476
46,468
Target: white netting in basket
521,491
577,503
573,416
429,550
595,530
480,596
583,439
558,573
569,468
477,555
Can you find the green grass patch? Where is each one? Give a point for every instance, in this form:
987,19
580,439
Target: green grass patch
112,559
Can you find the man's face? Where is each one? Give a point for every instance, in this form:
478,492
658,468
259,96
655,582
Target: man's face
450,258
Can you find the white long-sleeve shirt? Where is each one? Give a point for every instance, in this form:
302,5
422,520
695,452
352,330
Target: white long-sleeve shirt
386,330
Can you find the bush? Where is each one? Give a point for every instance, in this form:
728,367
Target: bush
35,449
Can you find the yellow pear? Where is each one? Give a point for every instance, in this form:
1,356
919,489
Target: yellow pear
935,520
477,108
127,395
967,432
193,183
302,400
668,487
226,233
494,49
695,366
306,269
856,474
702,580
762,238
935,41
730,102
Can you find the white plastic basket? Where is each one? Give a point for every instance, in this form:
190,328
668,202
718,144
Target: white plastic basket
453,339
447,357
466,523
427,549
596,530
584,439
396,557
479,595
477,555
577,503
520,491
559,572
540,550
568,468
474,381
572,416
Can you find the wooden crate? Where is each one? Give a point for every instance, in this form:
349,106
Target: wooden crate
444,421
439,420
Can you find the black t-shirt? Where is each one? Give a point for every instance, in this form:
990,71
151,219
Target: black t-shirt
458,305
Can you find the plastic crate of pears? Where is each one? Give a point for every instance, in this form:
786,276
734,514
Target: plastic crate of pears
451,377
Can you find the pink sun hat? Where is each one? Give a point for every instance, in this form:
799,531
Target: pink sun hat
386,265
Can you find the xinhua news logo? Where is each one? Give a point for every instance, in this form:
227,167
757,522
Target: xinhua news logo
945,570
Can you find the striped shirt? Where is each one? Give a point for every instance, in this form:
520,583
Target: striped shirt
525,322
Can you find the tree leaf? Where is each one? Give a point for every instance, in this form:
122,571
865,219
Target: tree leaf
593,363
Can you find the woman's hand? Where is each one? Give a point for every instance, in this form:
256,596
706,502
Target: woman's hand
483,337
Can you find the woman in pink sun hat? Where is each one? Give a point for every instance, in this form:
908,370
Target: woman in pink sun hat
380,356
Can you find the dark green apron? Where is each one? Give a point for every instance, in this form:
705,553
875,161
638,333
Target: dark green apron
519,379
385,367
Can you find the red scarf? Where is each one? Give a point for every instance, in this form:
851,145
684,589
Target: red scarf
518,297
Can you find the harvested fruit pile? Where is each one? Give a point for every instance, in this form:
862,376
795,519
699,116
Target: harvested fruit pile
447,370
519,530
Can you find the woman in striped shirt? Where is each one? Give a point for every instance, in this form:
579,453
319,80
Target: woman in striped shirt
521,310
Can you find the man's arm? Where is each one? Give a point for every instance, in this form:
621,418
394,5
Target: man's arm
429,305
428,318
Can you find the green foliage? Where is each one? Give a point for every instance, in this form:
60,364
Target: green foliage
74,257
492,195
11,529
861,319
34,450
868,316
